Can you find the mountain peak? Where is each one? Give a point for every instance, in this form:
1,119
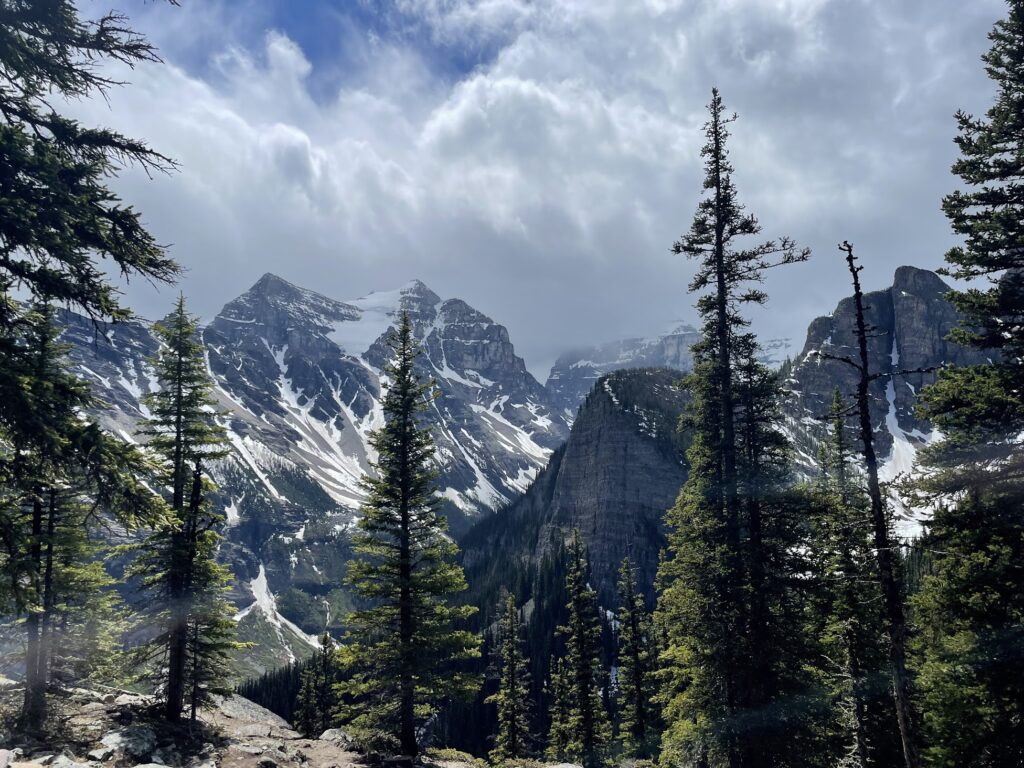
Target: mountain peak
270,282
915,280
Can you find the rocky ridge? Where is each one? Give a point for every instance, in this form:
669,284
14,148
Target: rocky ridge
909,322
620,469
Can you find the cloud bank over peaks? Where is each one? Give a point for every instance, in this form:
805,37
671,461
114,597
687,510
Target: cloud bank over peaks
539,157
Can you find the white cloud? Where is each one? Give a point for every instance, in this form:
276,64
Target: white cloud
546,184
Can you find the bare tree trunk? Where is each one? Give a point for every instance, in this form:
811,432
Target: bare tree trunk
895,616
34,706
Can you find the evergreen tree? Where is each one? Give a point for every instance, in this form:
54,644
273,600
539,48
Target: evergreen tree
851,626
512,696
62,231
176,563
586,724
971,606
561,706
316,703
404,649
637,714
61,470
718,688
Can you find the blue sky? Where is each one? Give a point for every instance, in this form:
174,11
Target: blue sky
537,158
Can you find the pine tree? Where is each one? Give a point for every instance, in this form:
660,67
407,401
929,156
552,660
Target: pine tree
512,696
637,714
718,687
62,231
558,732
851,626
316,704
972,604
176,563
404,649
586,726
62,471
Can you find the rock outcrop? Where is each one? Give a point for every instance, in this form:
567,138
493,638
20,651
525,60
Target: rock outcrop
613,480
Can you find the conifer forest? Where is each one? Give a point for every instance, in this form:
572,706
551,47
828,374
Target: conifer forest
304,531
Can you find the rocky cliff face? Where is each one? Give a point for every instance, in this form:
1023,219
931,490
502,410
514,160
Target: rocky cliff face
909,324
618,472
298,377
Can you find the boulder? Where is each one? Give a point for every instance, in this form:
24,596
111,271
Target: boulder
135,741
336,736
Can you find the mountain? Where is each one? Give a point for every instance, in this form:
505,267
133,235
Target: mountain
298,378
909,322
617,473
298,381
623,464
620,469
303,374
574,373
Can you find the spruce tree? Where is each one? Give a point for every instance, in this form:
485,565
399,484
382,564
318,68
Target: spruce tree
972,604
316,704
587,729
558,730
62,230
851,626
512,696
404,649
636,657
62,472
719,688
176,563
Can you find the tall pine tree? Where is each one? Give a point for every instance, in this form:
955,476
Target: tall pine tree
586,721
176,563
512,696
63,472
316,704
719,687
972,606
638,717
404,649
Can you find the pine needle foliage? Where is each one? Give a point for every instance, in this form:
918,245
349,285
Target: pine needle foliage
316,703
404,654
971,605
586,728
512,696
176,564
63,232
638,716
63,479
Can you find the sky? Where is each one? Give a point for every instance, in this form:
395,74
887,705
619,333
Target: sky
538,158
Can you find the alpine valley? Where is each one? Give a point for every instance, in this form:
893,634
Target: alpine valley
298,379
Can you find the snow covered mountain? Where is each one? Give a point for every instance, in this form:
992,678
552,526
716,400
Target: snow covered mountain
574,373
298,377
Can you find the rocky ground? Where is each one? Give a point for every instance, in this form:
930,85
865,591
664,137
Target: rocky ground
119,730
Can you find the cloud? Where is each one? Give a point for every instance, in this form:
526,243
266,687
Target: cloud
543,175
